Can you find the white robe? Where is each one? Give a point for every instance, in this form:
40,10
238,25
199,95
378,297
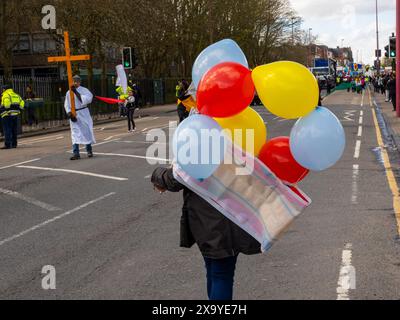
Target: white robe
82,130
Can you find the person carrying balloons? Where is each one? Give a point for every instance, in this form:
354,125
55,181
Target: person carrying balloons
220,241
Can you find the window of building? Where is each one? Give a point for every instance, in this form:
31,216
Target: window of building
24,44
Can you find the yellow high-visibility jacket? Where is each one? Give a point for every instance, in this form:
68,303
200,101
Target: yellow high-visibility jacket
11,104
123,95
189,103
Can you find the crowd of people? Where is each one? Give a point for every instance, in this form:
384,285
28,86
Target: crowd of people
386,84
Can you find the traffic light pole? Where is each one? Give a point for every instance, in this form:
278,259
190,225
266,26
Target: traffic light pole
398,58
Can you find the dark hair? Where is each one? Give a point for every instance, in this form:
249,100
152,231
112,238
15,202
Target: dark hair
185,85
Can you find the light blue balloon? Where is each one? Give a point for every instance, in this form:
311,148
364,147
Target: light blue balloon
223,51
318,140
199,146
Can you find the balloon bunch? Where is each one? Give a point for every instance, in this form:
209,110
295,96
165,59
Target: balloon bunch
225,89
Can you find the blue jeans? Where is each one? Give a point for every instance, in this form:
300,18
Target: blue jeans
75,149
10,128
220,278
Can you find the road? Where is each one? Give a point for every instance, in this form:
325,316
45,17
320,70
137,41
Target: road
110,236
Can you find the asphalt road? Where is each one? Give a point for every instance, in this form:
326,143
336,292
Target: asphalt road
110,236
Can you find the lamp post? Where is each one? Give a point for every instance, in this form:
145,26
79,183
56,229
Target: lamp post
398,58
309,37
378,60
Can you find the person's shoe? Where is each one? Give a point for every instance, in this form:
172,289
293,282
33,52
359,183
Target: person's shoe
5,148
75,157
90,154
134,130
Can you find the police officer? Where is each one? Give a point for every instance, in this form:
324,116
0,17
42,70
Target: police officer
10,109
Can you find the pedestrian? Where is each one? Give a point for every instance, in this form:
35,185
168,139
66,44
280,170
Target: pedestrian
182,95
362,83
29,97
122,95
130,105
220,241
392,91
380,84
387,92
10,109
81,123
320,93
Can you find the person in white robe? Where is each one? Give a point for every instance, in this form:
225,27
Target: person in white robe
81,125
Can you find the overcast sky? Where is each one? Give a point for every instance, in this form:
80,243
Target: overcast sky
351,20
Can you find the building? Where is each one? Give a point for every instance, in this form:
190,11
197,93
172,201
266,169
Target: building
343,56
30,56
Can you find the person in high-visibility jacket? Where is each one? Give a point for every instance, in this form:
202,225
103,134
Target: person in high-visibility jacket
122,95
10,109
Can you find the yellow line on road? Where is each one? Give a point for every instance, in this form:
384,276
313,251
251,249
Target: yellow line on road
389,172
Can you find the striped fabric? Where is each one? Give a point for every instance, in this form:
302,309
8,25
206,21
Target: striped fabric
257,201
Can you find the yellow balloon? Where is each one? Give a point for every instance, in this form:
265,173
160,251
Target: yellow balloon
287,89
238,125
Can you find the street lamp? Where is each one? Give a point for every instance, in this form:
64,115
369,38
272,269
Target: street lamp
378,61
309,37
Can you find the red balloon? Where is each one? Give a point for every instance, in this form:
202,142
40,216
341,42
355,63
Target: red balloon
276,155
225,91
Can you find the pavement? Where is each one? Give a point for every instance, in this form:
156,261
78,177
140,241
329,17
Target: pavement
108,235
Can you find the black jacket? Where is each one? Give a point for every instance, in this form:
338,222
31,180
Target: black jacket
216,236
391,86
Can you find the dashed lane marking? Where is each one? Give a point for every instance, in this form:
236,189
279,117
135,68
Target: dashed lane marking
347,277
39,226
360,131
83,173
358,150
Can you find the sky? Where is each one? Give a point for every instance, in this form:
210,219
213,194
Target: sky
351,20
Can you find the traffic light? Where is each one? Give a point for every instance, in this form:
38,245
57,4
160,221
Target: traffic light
127,58
392,47
387,51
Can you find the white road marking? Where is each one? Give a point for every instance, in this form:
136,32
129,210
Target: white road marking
132,156
115,136
148,177
142,142
349,115
361,120
360,131
361,113
356,172
19,164
29,200
358,149
347,277
41,141
362,99
102,143
75,172
19,235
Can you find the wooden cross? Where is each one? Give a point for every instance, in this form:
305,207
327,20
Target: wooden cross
68,59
